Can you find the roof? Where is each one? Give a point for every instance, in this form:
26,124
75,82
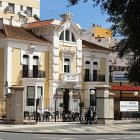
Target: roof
20,33
39,24
89,45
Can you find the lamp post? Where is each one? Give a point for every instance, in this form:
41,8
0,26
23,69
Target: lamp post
36,114
92,93
55,108
135,94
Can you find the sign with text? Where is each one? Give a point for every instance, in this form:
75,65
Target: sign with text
120,76
128,106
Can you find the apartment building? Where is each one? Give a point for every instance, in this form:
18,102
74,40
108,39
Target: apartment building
18,12
51,61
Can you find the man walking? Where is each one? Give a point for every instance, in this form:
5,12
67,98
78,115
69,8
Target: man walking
89,116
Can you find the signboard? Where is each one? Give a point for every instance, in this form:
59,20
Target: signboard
126,88
129,106
120,76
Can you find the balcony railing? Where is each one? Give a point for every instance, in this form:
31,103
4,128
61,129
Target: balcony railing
33,74
94,78
68,77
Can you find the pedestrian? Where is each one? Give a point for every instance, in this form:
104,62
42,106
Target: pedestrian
89,116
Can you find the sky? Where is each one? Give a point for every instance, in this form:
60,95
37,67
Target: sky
83,13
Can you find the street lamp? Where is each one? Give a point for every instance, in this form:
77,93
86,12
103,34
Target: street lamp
92,93
136,94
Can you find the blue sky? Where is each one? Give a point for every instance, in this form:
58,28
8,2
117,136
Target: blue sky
84,14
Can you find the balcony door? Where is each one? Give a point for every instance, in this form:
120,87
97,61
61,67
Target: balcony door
95,78
25,66
87,74
35,66
66,65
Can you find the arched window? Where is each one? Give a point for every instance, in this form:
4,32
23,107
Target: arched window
61,36
95,63
25,66
87,71
67,35
87,62
73,37
35,66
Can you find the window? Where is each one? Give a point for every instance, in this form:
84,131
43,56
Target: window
67,65
30,96
87,62
67,35
73,38
61,36
87,75
95,78
25,66
0,3
11,7
21,7
95,63
29,11
39,92
35,66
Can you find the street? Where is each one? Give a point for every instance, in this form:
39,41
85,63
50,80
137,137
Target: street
22,136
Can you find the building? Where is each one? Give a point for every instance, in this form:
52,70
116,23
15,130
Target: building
15,12
53,63
118,69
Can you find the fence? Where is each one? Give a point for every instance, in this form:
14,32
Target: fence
56,112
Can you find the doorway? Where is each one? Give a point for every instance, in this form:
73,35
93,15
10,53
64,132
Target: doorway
66,101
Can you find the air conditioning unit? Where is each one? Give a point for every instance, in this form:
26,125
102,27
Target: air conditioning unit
21,13
7,8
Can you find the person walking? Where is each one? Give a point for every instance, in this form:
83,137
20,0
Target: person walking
89,116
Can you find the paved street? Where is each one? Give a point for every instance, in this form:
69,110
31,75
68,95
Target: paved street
75,128
13,136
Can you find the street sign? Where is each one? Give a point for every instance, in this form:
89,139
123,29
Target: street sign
120,76
129,106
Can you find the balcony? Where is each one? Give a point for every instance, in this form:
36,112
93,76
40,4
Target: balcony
33,74
69,78
94,78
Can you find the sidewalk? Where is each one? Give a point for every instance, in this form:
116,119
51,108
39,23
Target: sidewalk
119,127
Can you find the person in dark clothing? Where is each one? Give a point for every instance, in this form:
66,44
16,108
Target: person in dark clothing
89,116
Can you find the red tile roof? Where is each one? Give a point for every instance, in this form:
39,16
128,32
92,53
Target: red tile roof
38,24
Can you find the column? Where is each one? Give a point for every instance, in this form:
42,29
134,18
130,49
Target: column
105,105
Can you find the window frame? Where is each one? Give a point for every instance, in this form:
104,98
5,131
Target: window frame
63,36
67,65
30,101
11,7
29,13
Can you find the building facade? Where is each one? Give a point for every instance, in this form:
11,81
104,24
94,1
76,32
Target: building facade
15,12
53,64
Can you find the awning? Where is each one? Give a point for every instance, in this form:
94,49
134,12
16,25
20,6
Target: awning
126,88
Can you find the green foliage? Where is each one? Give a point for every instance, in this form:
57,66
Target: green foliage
125,18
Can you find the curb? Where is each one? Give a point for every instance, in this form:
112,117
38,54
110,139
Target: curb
59,133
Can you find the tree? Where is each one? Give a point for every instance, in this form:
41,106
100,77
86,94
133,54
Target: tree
125,16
